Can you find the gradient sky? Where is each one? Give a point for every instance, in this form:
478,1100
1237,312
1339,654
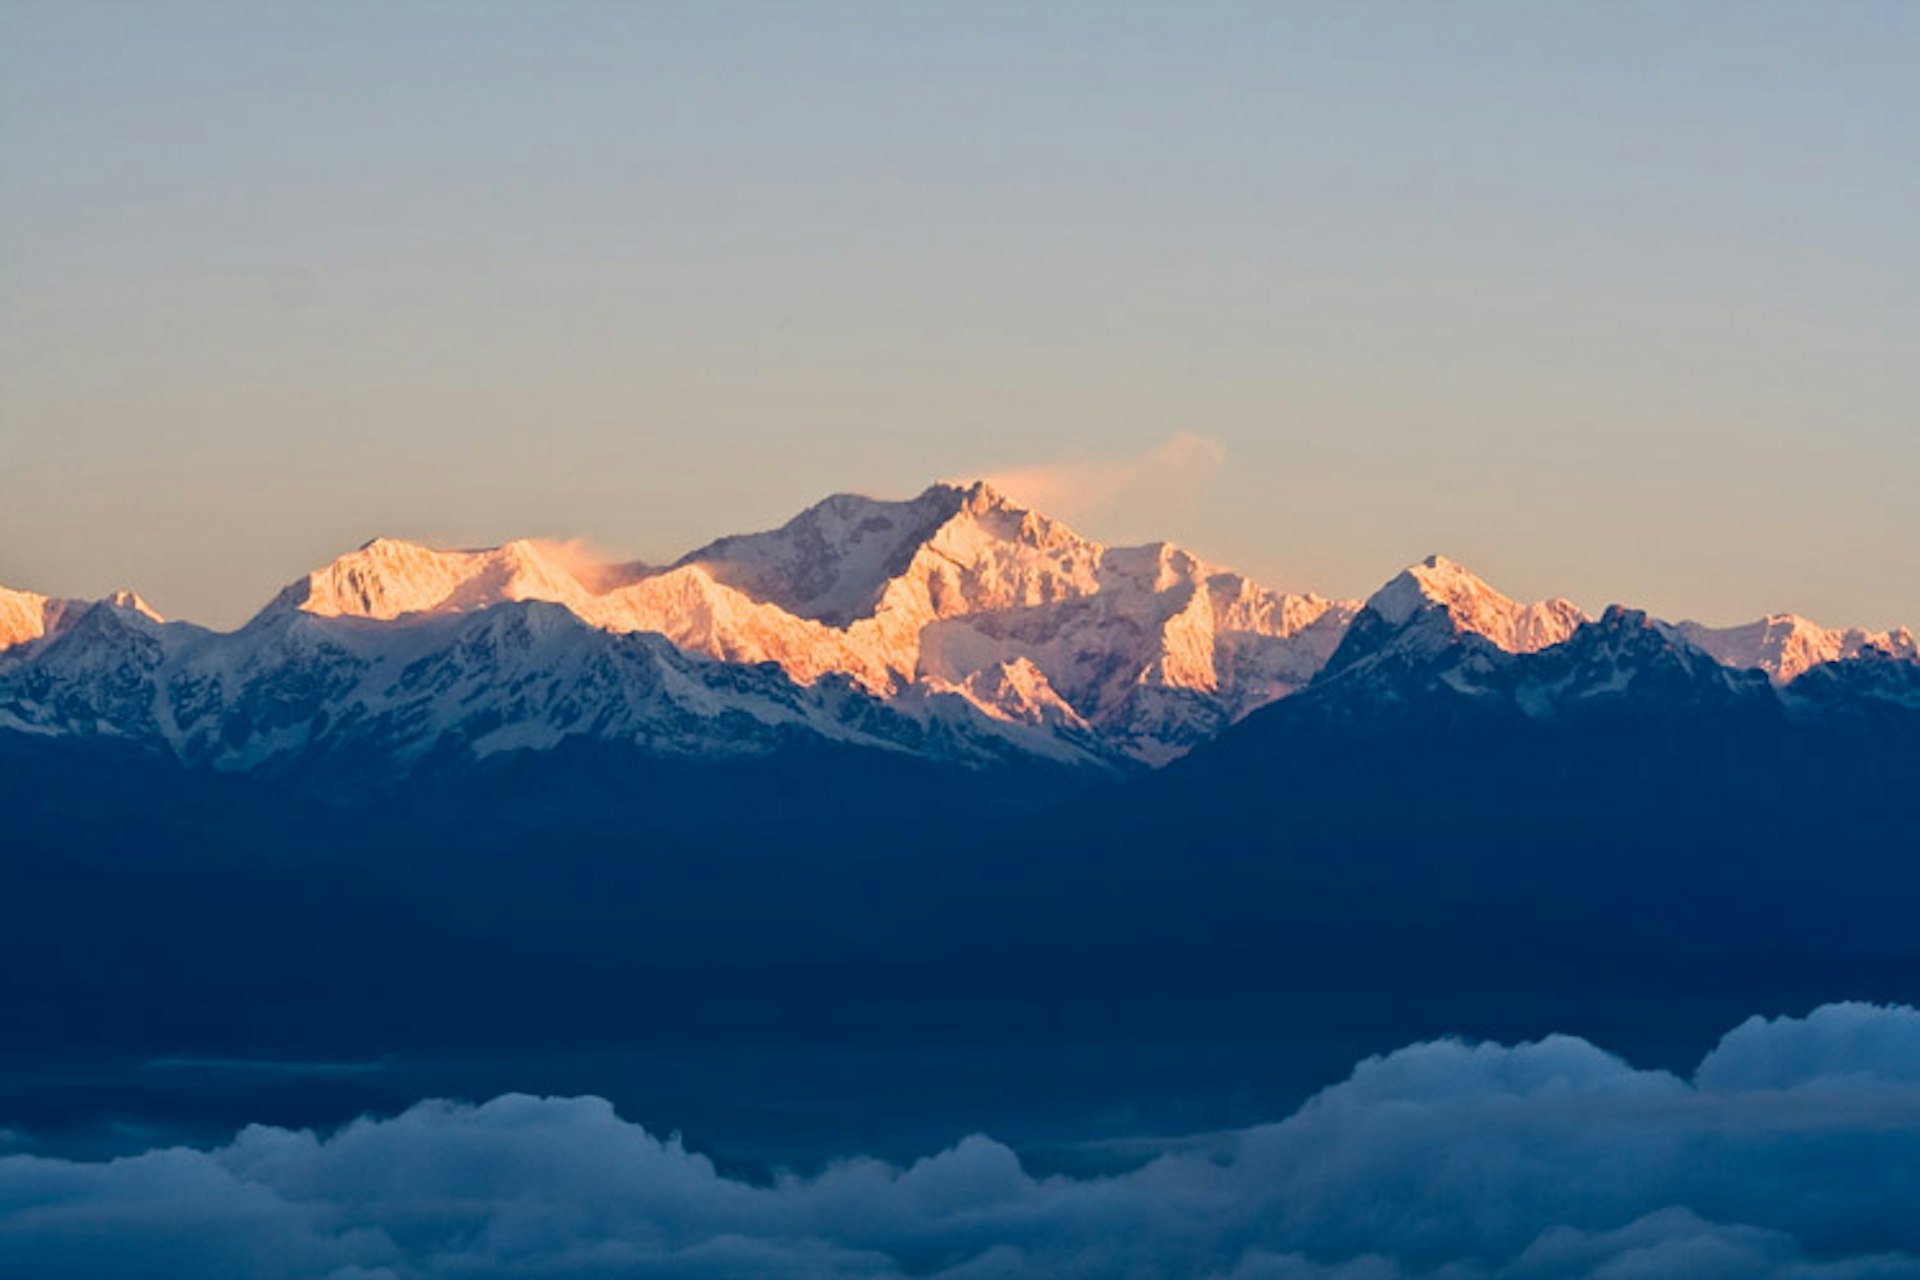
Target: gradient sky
1618,301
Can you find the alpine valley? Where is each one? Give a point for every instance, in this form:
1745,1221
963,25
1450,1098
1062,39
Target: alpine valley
935,762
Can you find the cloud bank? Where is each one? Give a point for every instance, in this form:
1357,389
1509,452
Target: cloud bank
1080,485
1793,1152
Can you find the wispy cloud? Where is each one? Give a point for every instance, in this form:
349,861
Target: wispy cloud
1082,483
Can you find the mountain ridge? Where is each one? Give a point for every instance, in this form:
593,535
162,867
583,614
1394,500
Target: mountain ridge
939,594
956,622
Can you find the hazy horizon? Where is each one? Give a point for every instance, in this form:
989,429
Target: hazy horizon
1617,305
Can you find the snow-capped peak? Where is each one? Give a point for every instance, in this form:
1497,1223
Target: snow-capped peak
130,600
830,562
1784,645
390,578
1473,606
26,616
957,588
837,561
956,607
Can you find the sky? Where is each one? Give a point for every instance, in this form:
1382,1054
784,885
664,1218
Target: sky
1612,301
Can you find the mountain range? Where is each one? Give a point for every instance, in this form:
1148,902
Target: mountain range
956,626
899,767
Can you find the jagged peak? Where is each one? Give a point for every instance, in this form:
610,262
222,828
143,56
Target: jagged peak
1620,624
1625,645
1435,580
829,562
130,600
1622,617
973,495
982,502
834,562
1155,566
108,615
387,578
1439,584
1786,644
381,578
26,616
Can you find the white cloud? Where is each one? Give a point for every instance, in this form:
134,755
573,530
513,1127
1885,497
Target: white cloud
1837,1040
1792,1154
1080,485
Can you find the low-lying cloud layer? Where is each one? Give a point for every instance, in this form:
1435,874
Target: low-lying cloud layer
1794,1151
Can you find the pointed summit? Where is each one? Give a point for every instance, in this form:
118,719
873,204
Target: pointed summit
1440,585
131,601
1435,606
830,562
839,561
979,497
